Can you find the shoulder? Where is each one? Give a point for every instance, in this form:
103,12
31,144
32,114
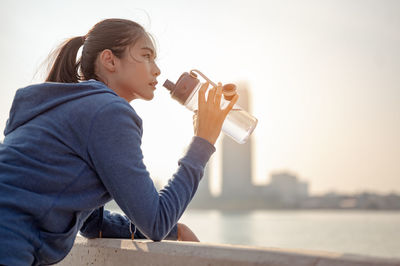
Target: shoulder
94,100
116,112
104,104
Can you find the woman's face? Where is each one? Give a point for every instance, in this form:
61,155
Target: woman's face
136,75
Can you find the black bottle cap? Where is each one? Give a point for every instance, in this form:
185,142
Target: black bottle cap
169,85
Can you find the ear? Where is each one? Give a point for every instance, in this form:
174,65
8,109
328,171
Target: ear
107,60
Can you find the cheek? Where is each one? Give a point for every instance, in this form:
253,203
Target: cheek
141,75
131,75
143,70
135,76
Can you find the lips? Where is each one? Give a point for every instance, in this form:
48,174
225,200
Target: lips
154,83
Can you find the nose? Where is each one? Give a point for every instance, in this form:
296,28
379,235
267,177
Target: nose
156,71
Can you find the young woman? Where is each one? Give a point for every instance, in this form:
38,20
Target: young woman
73,143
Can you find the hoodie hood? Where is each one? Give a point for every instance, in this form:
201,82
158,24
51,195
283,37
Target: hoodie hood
31,101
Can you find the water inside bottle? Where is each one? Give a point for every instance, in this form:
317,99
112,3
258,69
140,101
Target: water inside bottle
239,125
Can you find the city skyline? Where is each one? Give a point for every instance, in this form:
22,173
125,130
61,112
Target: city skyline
285,190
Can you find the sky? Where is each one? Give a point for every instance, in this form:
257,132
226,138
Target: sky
323,78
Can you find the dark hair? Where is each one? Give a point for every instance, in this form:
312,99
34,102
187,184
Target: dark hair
113,34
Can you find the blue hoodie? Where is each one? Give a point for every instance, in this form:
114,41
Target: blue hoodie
69,148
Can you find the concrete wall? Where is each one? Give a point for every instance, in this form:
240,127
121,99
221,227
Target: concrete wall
138,252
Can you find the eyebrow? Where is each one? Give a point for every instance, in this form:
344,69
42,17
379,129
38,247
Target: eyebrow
149,49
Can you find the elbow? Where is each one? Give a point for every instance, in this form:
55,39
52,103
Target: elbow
156,236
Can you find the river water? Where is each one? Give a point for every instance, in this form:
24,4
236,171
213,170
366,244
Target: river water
374,233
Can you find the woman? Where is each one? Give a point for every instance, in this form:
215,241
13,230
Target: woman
73,143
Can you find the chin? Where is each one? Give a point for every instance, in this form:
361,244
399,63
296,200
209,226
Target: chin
149,98
145,97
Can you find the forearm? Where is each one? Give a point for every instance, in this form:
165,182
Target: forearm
114,225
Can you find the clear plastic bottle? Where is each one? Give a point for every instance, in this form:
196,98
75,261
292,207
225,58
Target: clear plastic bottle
238,124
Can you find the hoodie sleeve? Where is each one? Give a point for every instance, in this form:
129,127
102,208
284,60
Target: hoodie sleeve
114,149
114,225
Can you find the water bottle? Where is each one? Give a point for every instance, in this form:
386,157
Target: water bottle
238,124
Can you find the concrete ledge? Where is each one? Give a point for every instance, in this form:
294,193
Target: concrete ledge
144,252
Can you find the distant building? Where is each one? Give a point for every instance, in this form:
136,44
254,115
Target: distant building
236,169
236,159
203,191
203,198
287,189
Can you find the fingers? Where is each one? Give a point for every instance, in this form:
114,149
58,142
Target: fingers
231,104
210,116
202,93
218,94
211,95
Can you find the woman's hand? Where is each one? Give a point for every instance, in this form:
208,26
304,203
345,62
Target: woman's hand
185,234
209,118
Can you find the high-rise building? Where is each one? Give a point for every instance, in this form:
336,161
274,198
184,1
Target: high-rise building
203,195
203,191
236,159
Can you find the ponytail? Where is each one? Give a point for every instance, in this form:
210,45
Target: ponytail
65,67
113,34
